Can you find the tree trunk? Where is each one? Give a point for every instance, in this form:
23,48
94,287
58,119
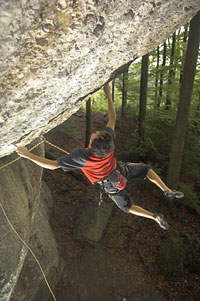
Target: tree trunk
156,80
176,152
183,55
88,122
161,74
113,90
171,73
143,96
198,106
124,90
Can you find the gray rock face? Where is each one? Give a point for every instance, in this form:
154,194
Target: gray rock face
171,257
179,252
31,285
92,221
20,195
54,54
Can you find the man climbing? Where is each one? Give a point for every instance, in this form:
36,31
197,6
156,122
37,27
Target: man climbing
99,165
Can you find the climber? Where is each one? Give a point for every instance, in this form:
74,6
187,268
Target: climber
99,165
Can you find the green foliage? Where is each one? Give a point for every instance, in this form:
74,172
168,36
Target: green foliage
191,198
171,257
100,104
156,144
159,123
178,252
191,155
192,246
155,148
67,128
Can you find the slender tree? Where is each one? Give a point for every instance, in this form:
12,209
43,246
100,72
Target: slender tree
113,90
143,96
157,70
185,36
198,106
171,72
161,74
189,70
88,122
124,89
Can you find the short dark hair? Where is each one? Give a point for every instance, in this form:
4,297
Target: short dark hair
102,144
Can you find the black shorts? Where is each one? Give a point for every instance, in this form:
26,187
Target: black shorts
129,171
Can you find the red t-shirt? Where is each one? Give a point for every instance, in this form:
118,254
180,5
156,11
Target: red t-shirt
94,168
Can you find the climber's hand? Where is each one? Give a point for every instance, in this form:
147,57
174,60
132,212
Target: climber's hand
107,89
22,151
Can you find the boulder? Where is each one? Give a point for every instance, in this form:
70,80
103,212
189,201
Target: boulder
192,246
31,284
20,185
92,221
178,252
172,256
55,54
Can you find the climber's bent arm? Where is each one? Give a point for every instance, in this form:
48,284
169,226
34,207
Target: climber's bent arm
43,162
111,108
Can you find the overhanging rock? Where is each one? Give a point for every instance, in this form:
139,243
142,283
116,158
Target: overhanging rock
55,53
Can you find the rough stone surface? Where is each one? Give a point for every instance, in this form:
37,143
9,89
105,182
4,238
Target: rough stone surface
92,221
179,252
192,245
172,256
55,53
20,196
31,285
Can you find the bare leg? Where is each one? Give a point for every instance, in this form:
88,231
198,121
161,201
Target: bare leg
153,177
137,210
159,218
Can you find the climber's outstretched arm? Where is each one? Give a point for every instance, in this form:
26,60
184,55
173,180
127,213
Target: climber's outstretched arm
111,108
43,162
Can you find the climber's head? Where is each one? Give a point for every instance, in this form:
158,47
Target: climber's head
100,143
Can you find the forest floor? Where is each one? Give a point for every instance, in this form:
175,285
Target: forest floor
124,264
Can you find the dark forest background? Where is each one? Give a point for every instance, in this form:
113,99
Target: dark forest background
157,99
161,92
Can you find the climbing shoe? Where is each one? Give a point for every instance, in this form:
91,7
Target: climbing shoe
159,218
173,194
